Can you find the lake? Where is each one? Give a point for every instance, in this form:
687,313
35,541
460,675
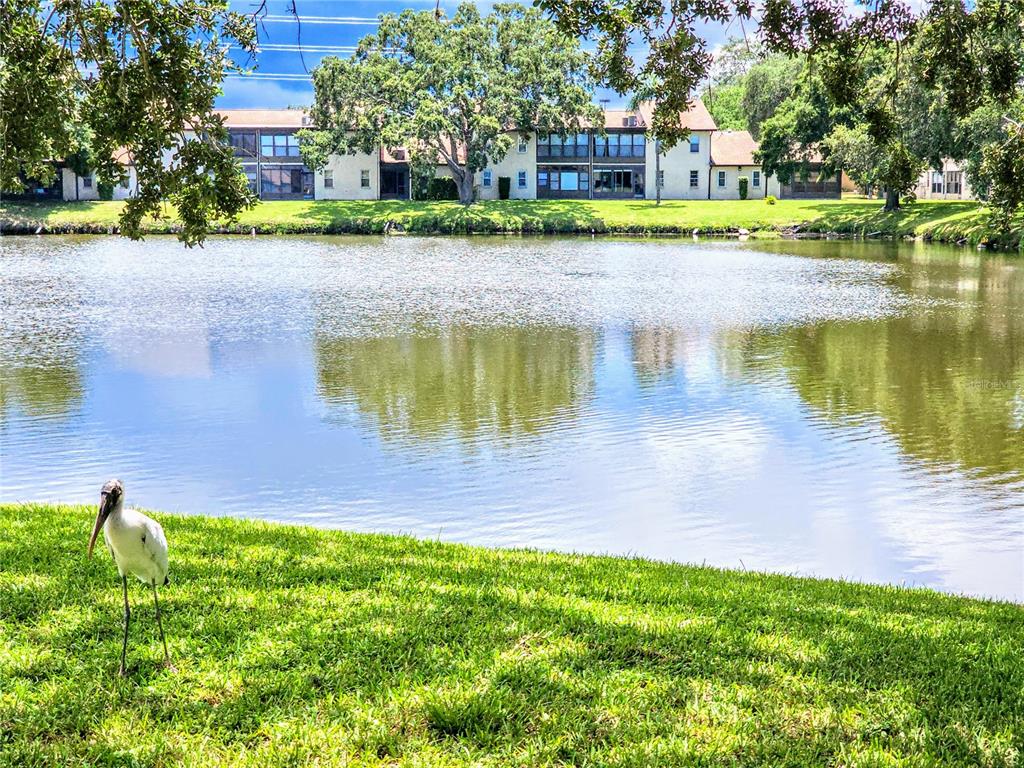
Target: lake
838,409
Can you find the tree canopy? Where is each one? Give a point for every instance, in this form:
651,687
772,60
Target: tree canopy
970,57
454,90
94,81
723,94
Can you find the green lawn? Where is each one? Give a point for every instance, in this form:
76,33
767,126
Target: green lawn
936,219
295,646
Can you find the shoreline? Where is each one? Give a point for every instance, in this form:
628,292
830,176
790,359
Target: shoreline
641,561
954,223
295,644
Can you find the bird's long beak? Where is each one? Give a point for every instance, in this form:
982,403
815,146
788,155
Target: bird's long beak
101,518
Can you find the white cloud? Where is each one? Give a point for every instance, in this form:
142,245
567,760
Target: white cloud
240,93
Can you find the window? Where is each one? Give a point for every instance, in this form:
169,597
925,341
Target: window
721,178
521,148
620,145
364,179
250,176
695,143
243,143
553,145
756,180
661,178
542,178
328,179
694,178
953,182
570,181
522,179
87,182
279,145
616,182
487,178
124,183
584,181
937,183
283,181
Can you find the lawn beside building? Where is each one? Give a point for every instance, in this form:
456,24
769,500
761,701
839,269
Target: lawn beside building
947,221
296,646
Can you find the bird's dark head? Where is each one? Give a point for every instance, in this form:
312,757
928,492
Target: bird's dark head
111,496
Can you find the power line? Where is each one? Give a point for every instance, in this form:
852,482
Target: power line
360,2
269,76
345,20
287,47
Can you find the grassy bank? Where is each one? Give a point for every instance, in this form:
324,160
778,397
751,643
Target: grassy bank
299,647
939,220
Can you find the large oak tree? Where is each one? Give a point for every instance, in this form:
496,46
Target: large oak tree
451,90
132,78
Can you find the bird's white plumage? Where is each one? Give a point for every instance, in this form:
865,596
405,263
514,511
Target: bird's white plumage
138,545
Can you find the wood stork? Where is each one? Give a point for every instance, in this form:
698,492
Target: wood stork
139,548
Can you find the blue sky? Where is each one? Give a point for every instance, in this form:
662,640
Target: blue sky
280,77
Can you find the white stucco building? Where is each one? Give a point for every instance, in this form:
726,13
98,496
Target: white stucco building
618,160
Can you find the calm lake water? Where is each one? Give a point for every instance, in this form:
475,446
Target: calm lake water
828,408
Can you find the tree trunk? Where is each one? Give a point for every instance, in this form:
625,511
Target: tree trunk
892,200
465,185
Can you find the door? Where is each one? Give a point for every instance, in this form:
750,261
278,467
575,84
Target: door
394,183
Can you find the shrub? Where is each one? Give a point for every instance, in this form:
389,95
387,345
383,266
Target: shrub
442,188
504,187
744,185
771,199
105,191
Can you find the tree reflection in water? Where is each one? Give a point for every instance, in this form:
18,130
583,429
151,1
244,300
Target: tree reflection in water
947,382
469,382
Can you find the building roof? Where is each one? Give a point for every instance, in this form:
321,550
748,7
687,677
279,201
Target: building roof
733,148
696,118
624,118
264,118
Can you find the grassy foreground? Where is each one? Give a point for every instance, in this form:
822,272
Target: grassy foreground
296,646
939,220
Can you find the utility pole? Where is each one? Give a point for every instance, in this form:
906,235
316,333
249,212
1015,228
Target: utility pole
657,169
592,145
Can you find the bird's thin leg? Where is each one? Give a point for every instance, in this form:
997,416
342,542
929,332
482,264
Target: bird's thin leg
167,657
127,616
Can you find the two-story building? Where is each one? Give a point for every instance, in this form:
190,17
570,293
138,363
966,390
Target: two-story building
265,144
618,160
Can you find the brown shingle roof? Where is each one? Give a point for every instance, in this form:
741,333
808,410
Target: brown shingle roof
733,148
621,118
696,118
263,118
